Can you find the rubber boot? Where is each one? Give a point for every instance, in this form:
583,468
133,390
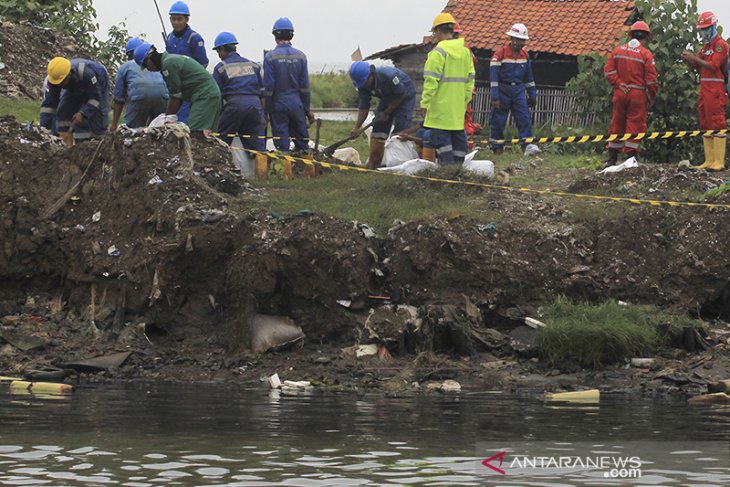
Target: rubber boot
612,158
429,154
310,169
377,151
709,144
262,166
67,137
718,164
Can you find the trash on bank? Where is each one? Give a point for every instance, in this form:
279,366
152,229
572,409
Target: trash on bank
366,350
349,155
105,362
155,180
412,167
627,164
480,168
22,341
533,323
113,251
274,381
96,217
42,387
588,396
270,332
642,362
449,385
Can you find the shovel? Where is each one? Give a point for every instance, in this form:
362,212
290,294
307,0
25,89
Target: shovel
329,150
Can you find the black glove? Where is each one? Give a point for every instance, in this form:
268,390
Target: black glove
531,102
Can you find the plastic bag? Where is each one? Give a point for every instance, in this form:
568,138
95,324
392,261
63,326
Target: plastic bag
628,163
348,154
241,160
273,333
398,151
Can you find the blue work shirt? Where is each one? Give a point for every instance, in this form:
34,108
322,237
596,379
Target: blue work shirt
89,81
286,75
238,76
510,69
134,84
187,43
390,83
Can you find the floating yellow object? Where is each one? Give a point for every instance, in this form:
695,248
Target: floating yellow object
591,395
42,387
8,379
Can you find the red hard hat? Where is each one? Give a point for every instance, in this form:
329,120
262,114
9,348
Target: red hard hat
641,26
457,28
707,19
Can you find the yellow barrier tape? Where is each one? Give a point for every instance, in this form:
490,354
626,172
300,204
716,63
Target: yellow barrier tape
568,139
541,192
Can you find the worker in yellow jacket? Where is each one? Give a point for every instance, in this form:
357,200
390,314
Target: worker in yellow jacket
448,84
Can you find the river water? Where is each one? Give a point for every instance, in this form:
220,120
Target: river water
168,434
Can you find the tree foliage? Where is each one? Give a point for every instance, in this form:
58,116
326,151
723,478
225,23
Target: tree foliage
76,18
673,24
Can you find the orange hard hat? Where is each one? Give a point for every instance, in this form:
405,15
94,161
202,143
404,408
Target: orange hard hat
641,26
707,19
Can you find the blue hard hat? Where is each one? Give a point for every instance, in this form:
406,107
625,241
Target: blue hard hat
359,73
224,39
179,8
140,53
132,44
283,24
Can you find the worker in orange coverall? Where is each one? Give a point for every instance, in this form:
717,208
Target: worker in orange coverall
712,64
631,71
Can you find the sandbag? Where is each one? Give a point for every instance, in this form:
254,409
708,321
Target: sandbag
411,167
273,332
348,154
480,168
398,151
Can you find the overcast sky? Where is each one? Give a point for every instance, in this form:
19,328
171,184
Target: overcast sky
326,30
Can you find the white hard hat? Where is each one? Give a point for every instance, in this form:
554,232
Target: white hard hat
518,31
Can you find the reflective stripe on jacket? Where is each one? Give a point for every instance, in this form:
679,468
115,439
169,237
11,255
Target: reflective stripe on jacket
188,43
510,69
633,66
238,76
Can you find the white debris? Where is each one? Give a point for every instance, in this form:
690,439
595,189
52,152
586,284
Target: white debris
274,381
628,163
480,168
366,350
532,150
411,167
349,155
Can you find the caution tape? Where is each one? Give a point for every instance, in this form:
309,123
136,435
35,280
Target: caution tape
540,192
567,139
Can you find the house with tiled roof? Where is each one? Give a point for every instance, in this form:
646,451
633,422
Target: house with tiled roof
560,32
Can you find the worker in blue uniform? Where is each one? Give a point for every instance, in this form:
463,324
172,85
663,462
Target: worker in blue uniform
397,95
76,102
286,88
142,94
242,90
184,40
512,88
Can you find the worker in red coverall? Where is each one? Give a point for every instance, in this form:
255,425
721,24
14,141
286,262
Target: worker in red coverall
631,71
712,63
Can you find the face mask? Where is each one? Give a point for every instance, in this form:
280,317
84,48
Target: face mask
708,34
634,43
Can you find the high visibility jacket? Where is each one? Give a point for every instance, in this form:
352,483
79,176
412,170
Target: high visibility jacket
390,83
89,81
508,68
238,76
187,43
286,76
715,53
186,79
448,81
135,84
634,66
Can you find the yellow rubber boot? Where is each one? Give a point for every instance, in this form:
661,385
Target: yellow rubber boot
377,151
429,154
719,152
310,169
262,166
286,164
709,144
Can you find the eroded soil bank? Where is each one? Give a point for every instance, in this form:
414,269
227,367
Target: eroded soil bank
153,244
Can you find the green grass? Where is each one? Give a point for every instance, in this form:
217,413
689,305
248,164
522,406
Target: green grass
593,335
332,90
23,109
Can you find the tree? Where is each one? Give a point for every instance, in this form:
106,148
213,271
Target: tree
75,18
673,23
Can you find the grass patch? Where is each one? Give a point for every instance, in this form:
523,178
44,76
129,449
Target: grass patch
607,333
717,192
332,90
22,109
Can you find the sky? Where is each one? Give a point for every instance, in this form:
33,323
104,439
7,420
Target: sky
328,31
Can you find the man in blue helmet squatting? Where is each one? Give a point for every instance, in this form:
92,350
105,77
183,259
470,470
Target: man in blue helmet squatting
397,95
286,88
76,101
143,92
185,41
186,81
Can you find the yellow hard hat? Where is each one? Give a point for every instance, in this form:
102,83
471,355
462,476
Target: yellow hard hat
58,69
443,18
